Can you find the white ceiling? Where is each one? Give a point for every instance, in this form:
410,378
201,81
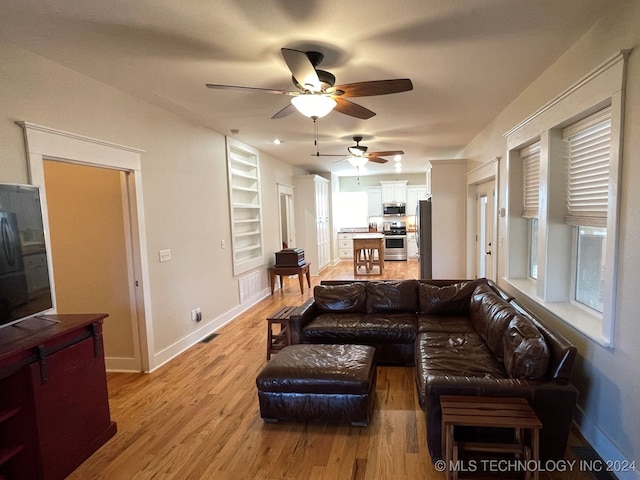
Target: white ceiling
467,59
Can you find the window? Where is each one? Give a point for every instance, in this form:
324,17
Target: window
590,263
589,147
533,249
564,257
531,197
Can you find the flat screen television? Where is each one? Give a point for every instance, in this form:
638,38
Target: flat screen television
25,286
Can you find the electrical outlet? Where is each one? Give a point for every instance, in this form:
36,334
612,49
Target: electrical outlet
165,255
222,244
194,315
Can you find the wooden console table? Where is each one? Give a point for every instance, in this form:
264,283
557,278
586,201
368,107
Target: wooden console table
54,407
302,270
365,247
489,412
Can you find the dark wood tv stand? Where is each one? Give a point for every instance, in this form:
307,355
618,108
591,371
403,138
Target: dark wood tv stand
54,405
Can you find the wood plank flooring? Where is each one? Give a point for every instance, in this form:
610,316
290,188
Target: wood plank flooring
197,417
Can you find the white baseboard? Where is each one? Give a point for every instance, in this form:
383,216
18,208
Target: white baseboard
122,364
187,342
606,449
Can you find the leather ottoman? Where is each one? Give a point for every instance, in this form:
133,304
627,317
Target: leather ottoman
314,382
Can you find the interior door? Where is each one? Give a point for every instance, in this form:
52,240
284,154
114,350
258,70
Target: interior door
485,208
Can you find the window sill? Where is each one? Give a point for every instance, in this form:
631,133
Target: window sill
579,318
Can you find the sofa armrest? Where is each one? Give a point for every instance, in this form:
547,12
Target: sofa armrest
301,317
553,402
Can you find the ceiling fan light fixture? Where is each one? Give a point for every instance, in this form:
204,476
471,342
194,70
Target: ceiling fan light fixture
358,162
357,151
313,106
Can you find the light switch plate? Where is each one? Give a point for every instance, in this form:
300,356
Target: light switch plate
165,255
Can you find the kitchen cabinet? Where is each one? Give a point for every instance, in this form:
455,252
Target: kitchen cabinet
415,193
374,201
313,228
412,246
345,245
394,191
54,407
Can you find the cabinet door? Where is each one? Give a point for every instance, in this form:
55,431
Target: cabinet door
374,201
412,246
400,192
395,191
71,405
322,220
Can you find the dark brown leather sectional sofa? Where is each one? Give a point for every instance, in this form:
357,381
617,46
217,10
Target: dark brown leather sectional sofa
464,337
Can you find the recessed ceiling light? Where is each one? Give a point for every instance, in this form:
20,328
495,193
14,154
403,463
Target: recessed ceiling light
277,141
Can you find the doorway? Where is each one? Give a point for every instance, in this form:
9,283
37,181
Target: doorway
45,143
485,218
88,219
286,216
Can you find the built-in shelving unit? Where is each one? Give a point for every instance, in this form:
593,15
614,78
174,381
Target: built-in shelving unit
246,208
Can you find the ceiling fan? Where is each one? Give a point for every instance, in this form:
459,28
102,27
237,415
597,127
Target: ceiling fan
317,94
358,154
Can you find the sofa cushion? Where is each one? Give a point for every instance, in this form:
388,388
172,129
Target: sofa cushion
347,298
444,323
490,314
392,296
361,328
526,354
451,299
457,354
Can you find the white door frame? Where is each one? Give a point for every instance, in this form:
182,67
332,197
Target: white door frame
288,215
485,209
484,173
48,143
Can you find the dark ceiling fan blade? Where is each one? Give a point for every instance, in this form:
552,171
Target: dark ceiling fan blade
252,89
375,87
377,160
302,69
388,153
288,110
352,109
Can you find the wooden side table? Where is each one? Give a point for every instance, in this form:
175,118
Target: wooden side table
301,271
278,339
496,412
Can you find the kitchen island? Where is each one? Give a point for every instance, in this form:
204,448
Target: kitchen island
368,252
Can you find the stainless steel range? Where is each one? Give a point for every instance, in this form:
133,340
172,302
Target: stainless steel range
395,240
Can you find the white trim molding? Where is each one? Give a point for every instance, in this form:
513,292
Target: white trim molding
49,143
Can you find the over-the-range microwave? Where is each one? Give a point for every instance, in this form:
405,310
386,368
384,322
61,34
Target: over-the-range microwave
393,209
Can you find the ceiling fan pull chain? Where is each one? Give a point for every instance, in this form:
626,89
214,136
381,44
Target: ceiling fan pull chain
315,135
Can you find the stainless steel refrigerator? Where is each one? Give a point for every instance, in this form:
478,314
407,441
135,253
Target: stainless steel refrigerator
423,237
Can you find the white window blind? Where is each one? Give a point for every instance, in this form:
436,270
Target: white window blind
531,180
589,144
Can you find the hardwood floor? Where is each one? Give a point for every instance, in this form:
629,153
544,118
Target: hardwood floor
197,417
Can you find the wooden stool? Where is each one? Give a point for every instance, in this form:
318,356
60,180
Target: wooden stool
277,340
490,412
